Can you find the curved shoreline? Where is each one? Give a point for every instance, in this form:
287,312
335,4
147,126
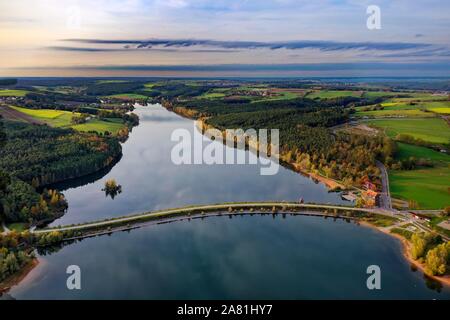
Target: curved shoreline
18,277
330,183
406,254
406,246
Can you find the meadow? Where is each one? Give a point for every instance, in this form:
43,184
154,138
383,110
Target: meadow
63,119
433,130
127,96
111,125
54,118
429,187
12,93
329,94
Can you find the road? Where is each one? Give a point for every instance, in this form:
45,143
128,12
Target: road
385,198
208,208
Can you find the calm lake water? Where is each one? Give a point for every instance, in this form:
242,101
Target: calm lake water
247,257
151,181
213,258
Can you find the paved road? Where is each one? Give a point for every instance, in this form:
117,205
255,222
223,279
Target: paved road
385,199
216,207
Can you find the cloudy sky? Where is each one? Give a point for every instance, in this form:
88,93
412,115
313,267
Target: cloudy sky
223,37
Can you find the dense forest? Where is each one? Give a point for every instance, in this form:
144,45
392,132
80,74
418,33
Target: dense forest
43,155
109,88
34,156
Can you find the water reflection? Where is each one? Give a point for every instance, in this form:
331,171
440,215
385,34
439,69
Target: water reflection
153,182
246,257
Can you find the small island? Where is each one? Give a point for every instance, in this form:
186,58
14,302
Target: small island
111,188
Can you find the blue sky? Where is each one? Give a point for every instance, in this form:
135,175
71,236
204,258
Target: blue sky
50,37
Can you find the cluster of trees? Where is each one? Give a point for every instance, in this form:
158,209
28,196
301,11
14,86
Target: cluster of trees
406,138
16,249
46,155
20,202
28,205
432,251
373,108
131,119
14,252
112,188
12,261
79,118
410,164
345,157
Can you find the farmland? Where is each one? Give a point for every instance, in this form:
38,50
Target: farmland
428,186
328,94
63,119
127,96
12,93
54,118
433,130
110,125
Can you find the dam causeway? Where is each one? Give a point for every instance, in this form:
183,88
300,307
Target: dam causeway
108,226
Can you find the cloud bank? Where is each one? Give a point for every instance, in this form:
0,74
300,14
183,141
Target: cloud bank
291,45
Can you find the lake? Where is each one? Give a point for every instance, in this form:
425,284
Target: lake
246,257
151,181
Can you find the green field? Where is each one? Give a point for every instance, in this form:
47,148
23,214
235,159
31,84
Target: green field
435,104
111,81
54,118
405,151
328,94
429,187
127,96
211,95
111,125
58,118
396,113
378,94
440,110
433,130
417,97
12,93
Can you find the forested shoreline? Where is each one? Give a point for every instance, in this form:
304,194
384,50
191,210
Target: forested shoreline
32,157
306,138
